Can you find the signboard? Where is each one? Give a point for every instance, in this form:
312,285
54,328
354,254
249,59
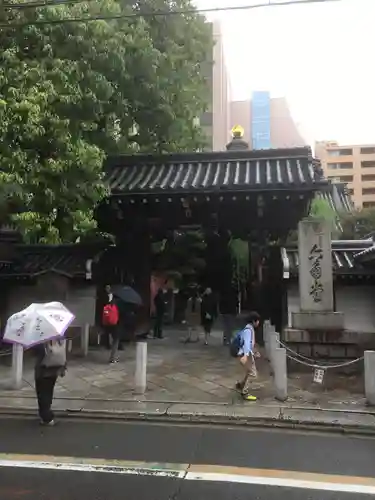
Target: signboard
319,375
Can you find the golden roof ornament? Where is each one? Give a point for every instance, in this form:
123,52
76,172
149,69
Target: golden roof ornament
237,132
237,142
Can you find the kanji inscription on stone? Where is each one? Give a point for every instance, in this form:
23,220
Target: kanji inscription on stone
315,258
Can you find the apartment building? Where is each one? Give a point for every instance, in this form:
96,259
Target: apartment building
267,122
352,164
215,121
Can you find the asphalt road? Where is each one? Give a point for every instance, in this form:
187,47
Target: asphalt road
221,448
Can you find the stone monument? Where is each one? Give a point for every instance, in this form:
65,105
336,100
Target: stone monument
315,278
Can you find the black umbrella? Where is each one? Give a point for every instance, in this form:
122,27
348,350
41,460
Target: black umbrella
128,295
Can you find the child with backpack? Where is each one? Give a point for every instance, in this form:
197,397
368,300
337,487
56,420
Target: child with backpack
242,348
50,364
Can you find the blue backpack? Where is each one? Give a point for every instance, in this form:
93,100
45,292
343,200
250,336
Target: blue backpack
236,344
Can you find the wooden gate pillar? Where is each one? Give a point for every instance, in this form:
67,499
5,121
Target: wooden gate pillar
134,246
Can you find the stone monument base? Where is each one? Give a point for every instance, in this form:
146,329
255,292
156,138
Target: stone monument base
320,344
321,320
340,344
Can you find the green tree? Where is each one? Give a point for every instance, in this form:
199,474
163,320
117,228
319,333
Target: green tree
70,93
181,257
357,224
319,208
240,260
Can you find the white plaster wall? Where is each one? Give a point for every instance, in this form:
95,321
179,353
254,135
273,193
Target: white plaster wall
357,302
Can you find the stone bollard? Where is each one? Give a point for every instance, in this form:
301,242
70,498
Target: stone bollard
273,345
17,366
369,362
280,377
69,345
266,338
140,379
85,337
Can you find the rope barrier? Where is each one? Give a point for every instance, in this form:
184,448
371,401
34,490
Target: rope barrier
325,367
6,353
298,354
312,363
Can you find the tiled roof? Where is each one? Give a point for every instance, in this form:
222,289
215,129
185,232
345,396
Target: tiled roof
34,260
338,197
344,254
211,172
367,253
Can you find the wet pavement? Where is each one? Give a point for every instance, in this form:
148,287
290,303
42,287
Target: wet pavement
179,372
89,460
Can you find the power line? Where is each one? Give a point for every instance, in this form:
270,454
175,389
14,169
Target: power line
270,3
24,6
33,5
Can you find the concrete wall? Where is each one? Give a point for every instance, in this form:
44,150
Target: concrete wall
50,287
357,302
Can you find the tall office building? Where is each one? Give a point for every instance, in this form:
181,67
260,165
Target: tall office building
216,119
267,122
354,165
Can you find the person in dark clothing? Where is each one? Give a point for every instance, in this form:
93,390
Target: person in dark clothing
112,338
208,312
228,310
105,340
45,381
159,303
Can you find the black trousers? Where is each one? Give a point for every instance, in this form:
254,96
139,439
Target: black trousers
114,332
158,326
207,325
44,387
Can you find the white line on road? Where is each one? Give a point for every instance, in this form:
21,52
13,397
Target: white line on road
87,467
281,482
196,472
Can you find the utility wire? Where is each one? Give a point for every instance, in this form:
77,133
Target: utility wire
270,3
138,14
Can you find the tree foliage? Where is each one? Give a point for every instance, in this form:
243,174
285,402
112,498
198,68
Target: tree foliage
181,257
320,208
240,260
358,224
70,93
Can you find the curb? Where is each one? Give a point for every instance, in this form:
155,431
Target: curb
249,422
219,404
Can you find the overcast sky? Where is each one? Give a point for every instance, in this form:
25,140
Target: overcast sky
320,57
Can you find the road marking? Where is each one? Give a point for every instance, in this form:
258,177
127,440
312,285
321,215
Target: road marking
196,472
77,464
286,479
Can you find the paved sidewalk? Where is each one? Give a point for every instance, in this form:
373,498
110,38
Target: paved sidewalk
190,380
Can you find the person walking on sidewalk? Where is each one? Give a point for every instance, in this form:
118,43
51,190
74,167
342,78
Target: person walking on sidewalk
50,364
243,348
208,312
159,303
110,320
105,338
228,306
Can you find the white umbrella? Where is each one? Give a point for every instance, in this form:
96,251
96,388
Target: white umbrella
38,323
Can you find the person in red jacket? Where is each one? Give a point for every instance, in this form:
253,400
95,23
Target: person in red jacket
110,322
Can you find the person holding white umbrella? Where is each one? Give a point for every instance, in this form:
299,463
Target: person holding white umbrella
42,327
